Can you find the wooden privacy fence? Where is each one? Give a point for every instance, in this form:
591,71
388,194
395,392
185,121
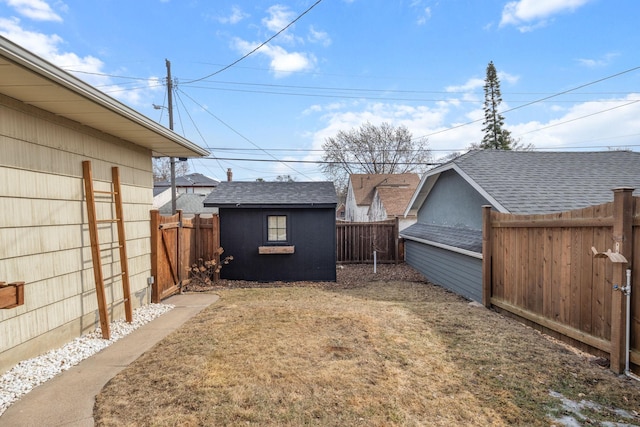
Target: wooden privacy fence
357,241
176,244
542,269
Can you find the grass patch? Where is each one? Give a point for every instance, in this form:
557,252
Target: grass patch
374,354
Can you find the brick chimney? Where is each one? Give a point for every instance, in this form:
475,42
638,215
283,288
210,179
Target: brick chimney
229,175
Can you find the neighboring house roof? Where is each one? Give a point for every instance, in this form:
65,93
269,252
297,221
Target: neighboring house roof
34,81
364,185
159,190
189,180
394,199
189,204
531,182
236,194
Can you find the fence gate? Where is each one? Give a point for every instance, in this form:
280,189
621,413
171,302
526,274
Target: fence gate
177,243
357,241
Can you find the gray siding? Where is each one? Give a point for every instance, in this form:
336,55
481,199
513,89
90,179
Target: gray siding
457,272
453,202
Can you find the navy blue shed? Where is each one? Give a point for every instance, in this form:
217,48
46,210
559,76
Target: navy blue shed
277,231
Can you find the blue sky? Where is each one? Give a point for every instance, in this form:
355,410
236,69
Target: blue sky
568,69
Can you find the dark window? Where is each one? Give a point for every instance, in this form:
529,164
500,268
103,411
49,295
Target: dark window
276,228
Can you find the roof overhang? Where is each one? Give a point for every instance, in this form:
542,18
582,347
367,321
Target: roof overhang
429,180
270,205
34,81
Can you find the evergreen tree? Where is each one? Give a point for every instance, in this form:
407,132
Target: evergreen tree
494,135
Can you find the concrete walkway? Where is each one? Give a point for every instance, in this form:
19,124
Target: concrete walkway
68,399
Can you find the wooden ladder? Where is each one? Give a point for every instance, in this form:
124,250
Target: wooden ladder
115,196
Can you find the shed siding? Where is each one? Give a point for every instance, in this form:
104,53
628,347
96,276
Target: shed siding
312,233
44,231
453,202
457,272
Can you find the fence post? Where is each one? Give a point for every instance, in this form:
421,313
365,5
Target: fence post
155,225
487,276
396,238
179,266
622,240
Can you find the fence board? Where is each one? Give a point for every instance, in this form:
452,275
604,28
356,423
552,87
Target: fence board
357,241
177,243
542,269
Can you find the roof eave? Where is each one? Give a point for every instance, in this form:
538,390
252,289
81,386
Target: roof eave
423,190
177,146
271,205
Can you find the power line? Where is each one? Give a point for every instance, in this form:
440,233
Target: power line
332,88
239,134
533,102
318,162
259,46
195,125
581,117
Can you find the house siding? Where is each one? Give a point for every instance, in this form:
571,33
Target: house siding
459,273
353,212
44,227
453,202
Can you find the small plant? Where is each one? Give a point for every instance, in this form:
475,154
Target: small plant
203,272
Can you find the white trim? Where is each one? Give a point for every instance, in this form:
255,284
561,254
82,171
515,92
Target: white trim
480,190
443,246
437,171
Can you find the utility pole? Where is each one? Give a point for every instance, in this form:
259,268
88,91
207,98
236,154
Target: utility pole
171,159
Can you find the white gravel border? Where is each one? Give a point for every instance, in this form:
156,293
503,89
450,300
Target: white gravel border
28,374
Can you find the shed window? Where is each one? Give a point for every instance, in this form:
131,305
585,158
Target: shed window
277,228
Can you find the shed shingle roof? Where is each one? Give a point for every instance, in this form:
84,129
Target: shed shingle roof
247,194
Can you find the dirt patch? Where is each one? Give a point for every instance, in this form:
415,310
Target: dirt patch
346,275
361,351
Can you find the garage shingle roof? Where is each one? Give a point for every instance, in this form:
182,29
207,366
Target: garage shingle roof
532,182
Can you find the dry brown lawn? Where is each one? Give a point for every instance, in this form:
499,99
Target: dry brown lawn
370,351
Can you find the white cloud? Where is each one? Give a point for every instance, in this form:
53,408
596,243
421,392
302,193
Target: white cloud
236,15
600,62
597,124
283,61
88,68
317,36
449,127
530,14
424,16
38,43
279,17
470,85
37,10
508,78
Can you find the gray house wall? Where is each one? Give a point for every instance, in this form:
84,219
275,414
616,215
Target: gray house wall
457,272
453,202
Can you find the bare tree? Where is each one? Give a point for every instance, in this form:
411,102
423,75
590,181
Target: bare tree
373,149
162,169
